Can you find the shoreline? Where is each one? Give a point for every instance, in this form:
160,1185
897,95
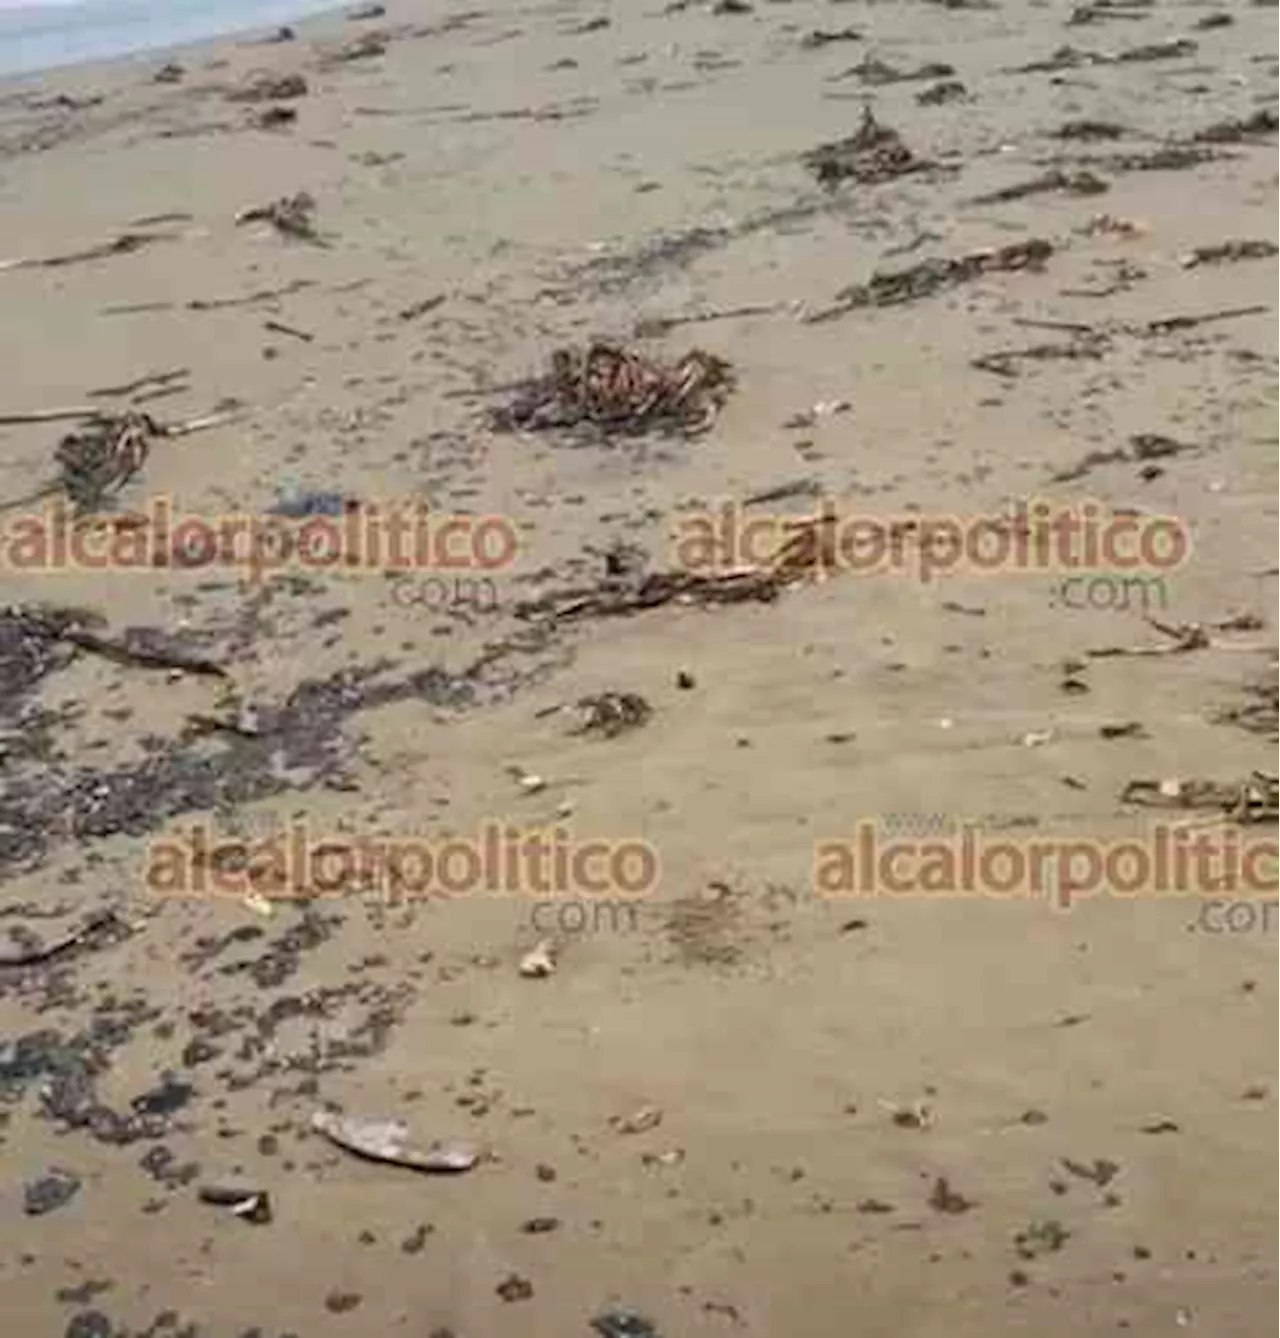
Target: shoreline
300,20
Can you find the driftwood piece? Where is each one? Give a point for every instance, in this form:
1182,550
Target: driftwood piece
125,244
145,647
99,928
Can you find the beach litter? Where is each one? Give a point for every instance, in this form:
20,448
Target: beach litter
539,962
614,388
245,1202
389,1141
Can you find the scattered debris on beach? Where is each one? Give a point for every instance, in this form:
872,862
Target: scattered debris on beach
947,90
273,117
264,87
820,37
291,216
1052,182
1264,122
1222,252
539,962
103,456
933,276
612,713
245,1201
1088,129
874,154
616,389
877,73
98,459
125,244
367,47
808,553
95,931
1254,799
390,1141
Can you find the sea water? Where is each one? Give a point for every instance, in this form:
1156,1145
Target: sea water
39,34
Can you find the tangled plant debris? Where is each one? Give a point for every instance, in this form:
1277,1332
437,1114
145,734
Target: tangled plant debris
618,390
876,153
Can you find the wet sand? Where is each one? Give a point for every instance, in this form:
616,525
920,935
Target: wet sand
736,1106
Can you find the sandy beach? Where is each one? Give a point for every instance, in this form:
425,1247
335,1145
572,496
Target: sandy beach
581,282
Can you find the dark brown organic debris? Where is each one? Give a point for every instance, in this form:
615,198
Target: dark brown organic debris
948,90
389,1141
1264,122
808,553
291,216
1054,181
1087,129
1230,251
874,154
1183,638
1143,447
936,275
272,118
367,47
1105,9
1005,362
1259,713
101,457
98,929
1070,58
147,381
169,73
125,244
265,87
1101,1171
619,390
146,647
877,73
1167,158
944,1199
821,38
1256,799
1174,49
612,713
